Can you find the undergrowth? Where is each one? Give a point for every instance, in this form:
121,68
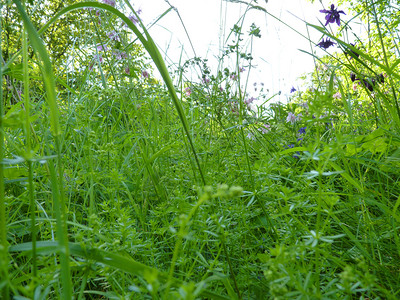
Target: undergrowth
115,185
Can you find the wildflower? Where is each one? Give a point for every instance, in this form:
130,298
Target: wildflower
113,35
134,19
291,118
99,58
380,78
109,2
337,95
249,100
355,87
250,136
127,71
304,105
233,76
351,52
221,89
353,77
242,69
289,146
292,90
117,55
332,15
325,44
369,85
145,74
265,128
302,130
188,91
101,47
206,80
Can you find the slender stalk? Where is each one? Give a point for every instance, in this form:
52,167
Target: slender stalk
3,213
29,155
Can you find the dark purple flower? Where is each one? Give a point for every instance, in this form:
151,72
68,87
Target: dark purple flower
332,15
369,84
302,130
325,44
292,90
380,78
353,77
352,53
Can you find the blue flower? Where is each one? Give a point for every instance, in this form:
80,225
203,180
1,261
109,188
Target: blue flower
302,130
332,15
292,90
325,44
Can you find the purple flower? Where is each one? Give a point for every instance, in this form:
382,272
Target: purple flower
265,128
134,19
292,90
291,118
325,44
99,58
109,2
101,47
127,71
113,35
206,80
188,91
332,15
302,130
351,52
249,100
145,74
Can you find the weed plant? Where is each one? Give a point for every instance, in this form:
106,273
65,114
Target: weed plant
115,185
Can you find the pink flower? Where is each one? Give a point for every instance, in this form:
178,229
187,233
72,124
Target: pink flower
355,87
242,69
188,91
145,74
233,76
221,88
206,80
109,2
338,95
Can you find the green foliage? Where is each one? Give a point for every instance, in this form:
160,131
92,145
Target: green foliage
104,168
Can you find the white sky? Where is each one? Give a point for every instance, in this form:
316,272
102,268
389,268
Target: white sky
277,56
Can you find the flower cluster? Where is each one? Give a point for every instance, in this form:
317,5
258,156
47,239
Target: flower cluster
332,16
368,82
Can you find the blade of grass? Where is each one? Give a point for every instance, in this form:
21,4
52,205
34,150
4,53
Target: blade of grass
152,49
116,261
3,215
49,84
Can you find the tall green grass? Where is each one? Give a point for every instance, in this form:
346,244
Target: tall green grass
104,172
